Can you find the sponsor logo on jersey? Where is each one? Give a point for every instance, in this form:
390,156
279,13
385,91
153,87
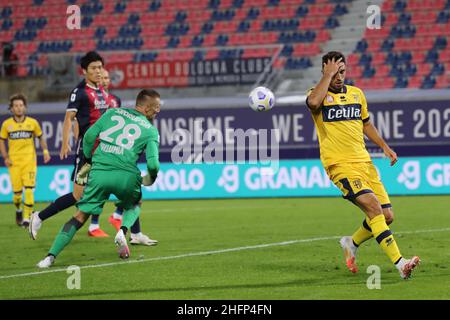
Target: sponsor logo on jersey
341,112
100,104
20,135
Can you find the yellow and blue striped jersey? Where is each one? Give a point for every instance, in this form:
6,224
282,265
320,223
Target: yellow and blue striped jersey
339,124
20,136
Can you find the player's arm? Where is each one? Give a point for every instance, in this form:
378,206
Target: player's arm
43,143
315,98
4,153
372,133
3,137
152,157
67,128
76,129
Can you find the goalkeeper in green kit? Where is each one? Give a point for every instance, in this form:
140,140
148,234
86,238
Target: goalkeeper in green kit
122,135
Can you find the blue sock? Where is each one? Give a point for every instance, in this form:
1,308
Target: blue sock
58,205
94,219
118,211
136,227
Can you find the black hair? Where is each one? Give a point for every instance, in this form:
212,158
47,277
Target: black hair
333,54
88,58
143,94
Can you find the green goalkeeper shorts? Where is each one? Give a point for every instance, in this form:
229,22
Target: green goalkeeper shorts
126,186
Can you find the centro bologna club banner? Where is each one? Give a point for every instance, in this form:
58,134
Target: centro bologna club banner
286,178
159,74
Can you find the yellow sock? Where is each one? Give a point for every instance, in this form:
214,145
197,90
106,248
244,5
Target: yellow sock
28,204
17,200
364,233
384,237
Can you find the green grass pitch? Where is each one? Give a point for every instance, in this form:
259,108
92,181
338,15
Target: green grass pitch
234,249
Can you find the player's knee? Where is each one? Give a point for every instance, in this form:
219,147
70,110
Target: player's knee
373,209
389,215
81,217
77,194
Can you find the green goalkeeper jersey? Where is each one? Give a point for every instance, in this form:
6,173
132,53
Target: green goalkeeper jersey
123,135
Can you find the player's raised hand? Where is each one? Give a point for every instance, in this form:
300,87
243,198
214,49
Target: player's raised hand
65,150
331,67
391,155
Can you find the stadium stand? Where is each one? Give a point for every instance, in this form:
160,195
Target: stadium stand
410,50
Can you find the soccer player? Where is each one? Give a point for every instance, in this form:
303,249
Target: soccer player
136,236
87,102
124,134
20,131
341,118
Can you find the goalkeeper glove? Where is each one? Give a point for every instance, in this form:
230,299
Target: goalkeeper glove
82,175
148,180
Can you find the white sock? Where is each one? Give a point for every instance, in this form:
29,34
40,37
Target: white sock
136,234
117,216
93,226
401,263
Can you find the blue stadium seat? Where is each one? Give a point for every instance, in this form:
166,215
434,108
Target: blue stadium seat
173,42
399,5
401,82
238,3
197,41
198,56
287,50
154,6
243,26
440,43
387,45
432,56
181,16
207,27
221,40
361,46
86,21
214,4
273,3
437,70
120,7
252,13
331,23
443,17
133,19
365,59
302,11
340,10
6,12
428,82
368,72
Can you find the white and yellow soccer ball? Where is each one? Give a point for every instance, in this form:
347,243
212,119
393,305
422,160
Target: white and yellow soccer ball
261,99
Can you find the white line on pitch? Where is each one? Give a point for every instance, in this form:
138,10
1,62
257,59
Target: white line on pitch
205,253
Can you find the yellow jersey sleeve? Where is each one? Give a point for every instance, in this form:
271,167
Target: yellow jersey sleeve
364,108
308,93
3,132
37,129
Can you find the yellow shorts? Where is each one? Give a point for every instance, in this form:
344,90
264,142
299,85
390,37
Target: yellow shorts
22,175
357,178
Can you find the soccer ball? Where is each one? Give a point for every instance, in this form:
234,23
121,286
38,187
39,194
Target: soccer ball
261,99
